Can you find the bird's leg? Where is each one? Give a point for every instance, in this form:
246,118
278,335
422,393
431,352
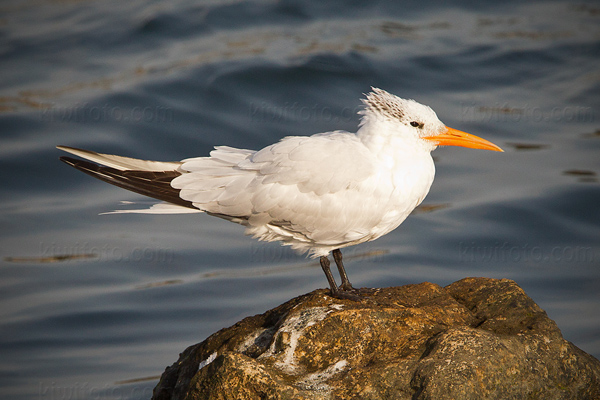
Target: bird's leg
337,256
325,265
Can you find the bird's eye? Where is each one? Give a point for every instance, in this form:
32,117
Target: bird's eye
416,124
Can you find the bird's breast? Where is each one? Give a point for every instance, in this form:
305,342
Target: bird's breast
401,189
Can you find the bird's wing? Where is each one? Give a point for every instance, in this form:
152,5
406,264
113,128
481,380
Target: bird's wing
149,178
322,163
155,184
288,185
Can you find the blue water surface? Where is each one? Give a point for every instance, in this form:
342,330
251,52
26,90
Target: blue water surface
96,306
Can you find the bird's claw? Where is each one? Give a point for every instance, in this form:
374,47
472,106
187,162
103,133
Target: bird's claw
346,287
343,295
347,292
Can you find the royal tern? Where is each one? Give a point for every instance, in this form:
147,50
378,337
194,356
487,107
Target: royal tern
317,194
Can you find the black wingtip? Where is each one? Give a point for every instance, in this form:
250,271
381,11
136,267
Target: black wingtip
148,183
68,160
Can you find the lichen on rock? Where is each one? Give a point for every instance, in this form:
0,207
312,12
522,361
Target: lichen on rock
476,338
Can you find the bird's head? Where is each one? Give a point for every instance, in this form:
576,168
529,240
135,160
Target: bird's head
416,120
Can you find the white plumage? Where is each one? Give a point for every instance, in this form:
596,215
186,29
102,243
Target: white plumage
317,193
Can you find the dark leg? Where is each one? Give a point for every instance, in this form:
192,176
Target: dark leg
325,265
337,256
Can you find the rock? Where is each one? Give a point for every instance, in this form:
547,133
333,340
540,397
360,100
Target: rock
477,338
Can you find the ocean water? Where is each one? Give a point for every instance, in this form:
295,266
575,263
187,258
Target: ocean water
96,306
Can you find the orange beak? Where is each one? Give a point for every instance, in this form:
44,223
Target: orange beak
454,137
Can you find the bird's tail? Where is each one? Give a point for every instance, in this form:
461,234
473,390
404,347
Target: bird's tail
148,178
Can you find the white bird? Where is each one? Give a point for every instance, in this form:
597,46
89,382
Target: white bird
317,194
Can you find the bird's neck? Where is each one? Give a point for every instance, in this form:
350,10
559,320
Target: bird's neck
404,160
